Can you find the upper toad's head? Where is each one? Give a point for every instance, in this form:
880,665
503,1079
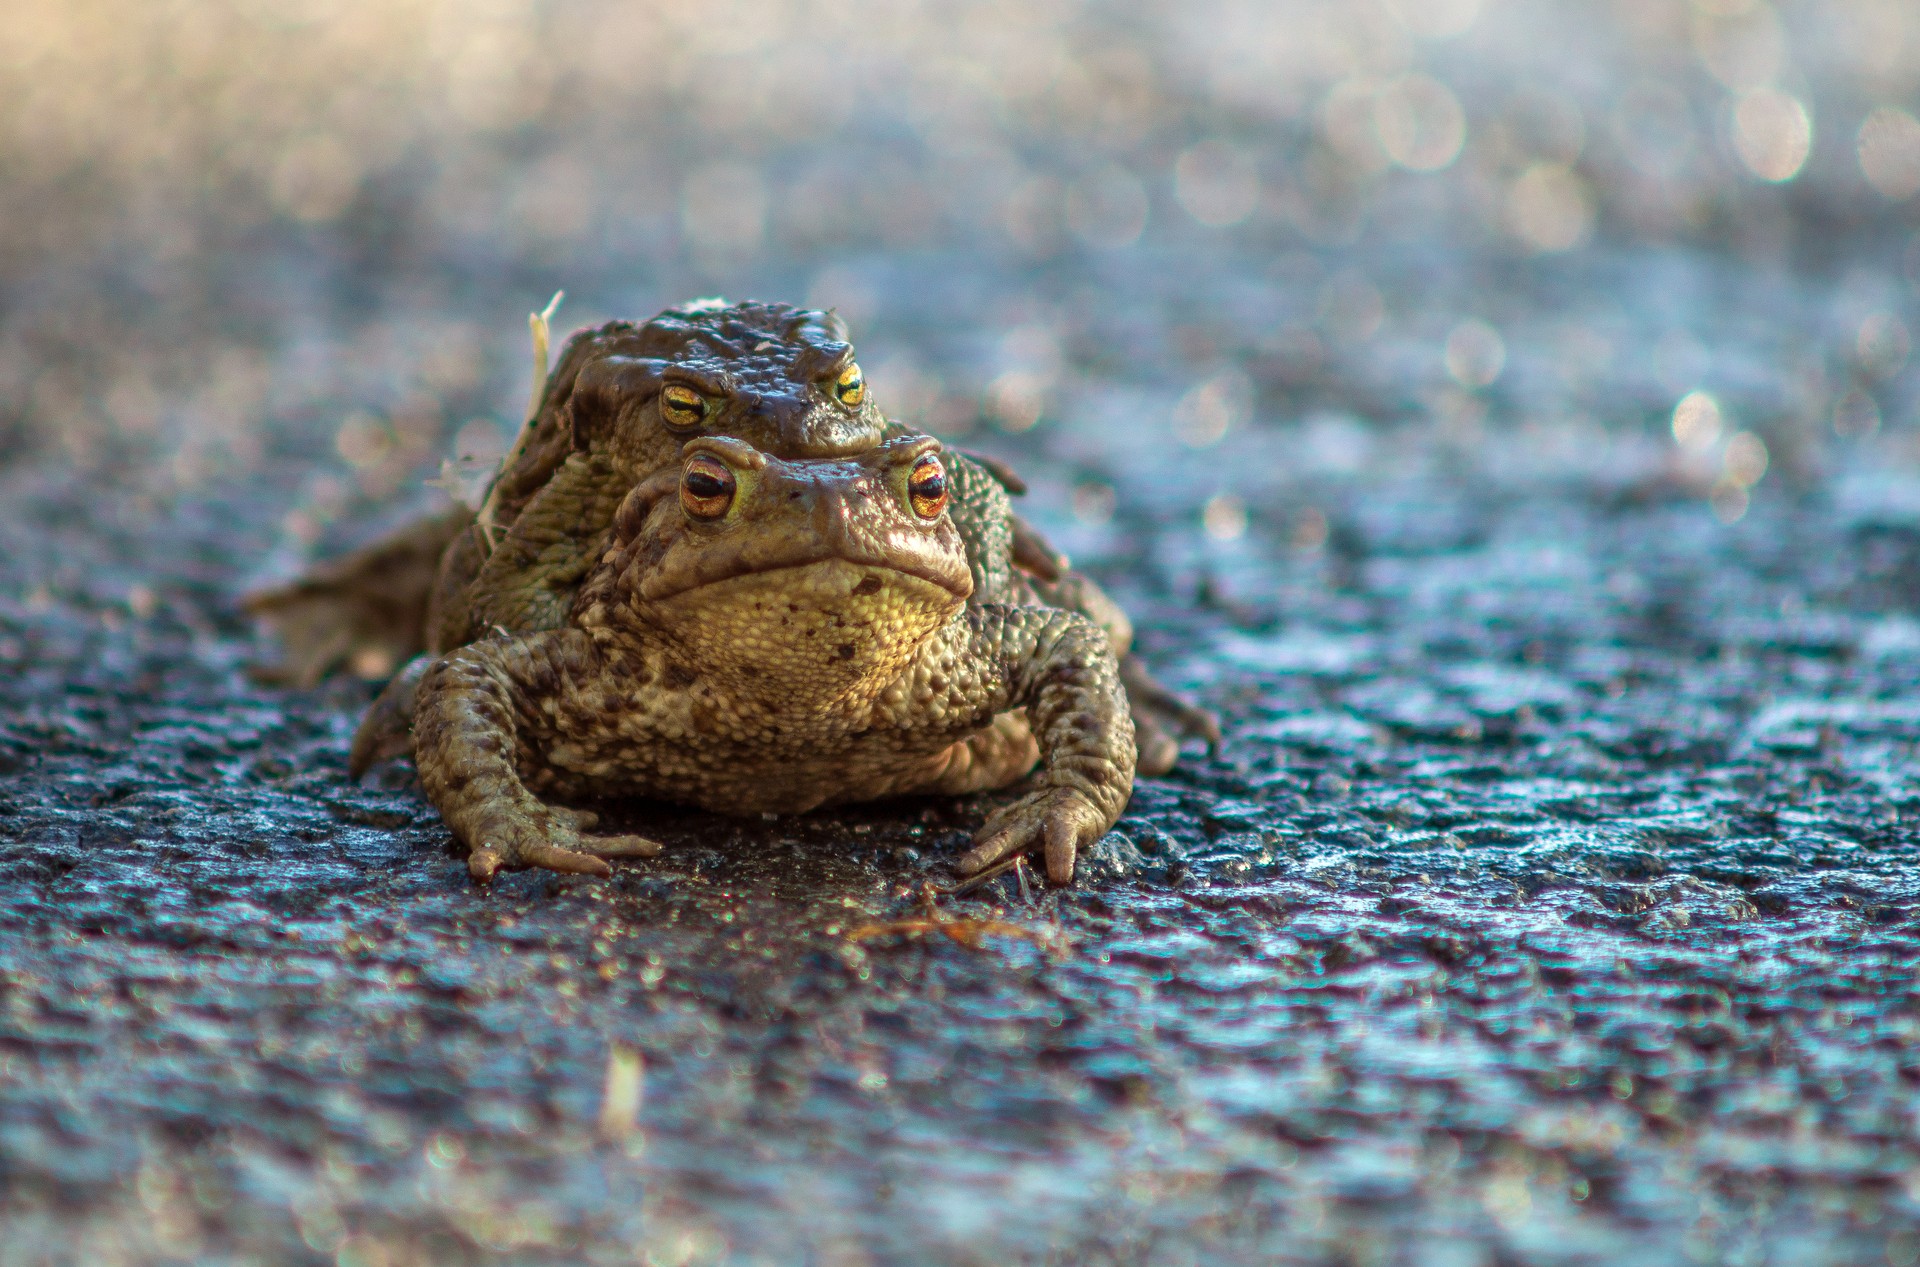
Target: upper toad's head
783,379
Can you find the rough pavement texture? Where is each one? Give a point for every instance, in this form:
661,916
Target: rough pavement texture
1553,900
1555,891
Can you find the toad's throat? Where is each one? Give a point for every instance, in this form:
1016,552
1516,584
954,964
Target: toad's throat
800,636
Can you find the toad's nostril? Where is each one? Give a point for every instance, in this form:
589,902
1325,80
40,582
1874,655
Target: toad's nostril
869,584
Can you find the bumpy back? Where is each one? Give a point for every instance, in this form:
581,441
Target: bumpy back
760,366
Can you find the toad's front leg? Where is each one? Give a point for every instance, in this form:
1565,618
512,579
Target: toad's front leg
471,742
1058,666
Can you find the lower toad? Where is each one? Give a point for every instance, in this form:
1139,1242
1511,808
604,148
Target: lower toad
768,635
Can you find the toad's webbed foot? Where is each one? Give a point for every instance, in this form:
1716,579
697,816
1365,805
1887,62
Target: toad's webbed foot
466,747
1060,668
1059,818
1162,717
547,836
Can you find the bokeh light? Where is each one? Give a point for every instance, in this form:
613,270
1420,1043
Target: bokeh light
1107,207
1882,344
1224,517
1420,123
286,221
1772,133
1217,183
1745,460
1856,413
1742,45
1475,354
1209,410
1697,422
1889,149
1436,19
1549,207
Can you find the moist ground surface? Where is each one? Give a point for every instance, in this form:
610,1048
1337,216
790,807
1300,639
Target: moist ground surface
1555,890
1554,898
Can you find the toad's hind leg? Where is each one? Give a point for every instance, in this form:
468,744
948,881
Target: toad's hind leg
365,611
1162,717
467,747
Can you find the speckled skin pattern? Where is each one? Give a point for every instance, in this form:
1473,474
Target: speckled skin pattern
814,645
768,374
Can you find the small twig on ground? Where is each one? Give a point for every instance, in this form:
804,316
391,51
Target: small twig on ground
993,872
964,932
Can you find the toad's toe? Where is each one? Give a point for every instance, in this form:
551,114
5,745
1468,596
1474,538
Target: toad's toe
1158,751
547,836
619,846
572,861
1059,820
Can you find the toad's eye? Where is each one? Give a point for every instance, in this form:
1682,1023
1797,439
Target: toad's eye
927,487
706,487
851,388
682,406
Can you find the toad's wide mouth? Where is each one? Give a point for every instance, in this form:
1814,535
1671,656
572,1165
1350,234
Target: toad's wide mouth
823,579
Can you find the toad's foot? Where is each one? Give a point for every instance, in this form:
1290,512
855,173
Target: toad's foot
1060,818
550,837
1162,717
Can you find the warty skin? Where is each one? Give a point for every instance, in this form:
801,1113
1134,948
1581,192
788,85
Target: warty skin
784,380
811,644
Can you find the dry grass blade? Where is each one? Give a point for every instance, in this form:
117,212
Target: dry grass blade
540,325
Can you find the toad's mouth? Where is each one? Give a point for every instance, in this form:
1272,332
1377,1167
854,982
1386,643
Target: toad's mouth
823,580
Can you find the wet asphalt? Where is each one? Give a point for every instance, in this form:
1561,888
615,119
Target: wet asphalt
1553,899
1541,516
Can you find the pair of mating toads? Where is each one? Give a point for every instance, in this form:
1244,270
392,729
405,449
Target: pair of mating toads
712,572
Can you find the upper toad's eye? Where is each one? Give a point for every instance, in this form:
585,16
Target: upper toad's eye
706,487
682,406
851,388
927,487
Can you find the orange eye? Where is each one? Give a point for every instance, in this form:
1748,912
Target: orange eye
927,487
706,487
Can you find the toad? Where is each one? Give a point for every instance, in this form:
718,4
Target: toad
765,635
618,406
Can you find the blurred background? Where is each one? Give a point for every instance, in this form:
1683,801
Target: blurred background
1238,242
1503,411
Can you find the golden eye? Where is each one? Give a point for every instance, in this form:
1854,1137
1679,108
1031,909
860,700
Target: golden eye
927,487
851,387
706,487
682,406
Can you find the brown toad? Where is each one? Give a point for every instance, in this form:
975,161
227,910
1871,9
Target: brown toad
616,408
767,635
